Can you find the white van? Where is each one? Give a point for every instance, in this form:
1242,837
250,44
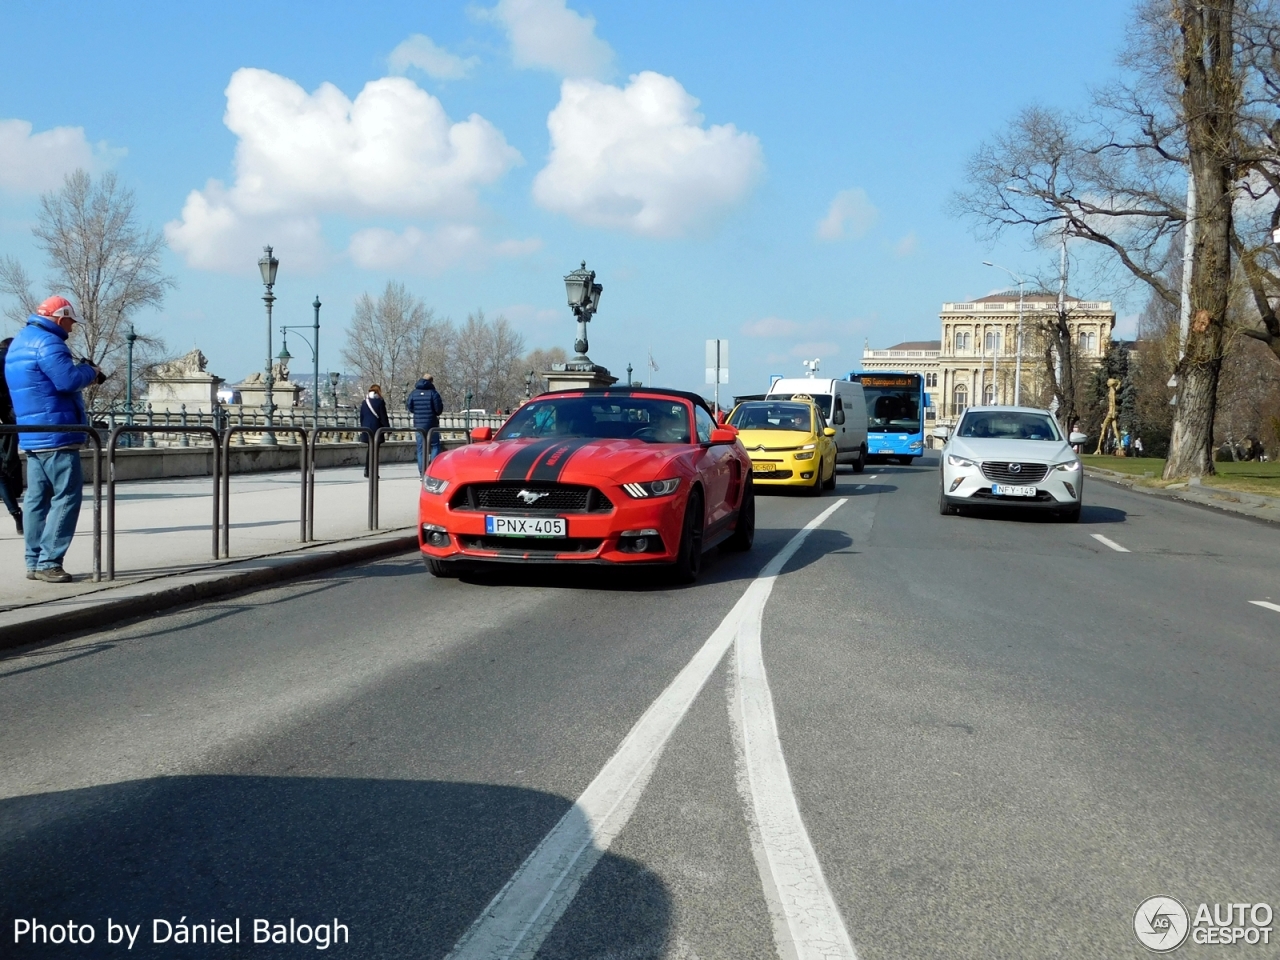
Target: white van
842,403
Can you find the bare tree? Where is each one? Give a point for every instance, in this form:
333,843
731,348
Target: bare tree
538,362
487,362
100,258
1199,103
385,341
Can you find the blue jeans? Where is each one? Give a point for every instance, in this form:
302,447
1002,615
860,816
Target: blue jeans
435,449
55,484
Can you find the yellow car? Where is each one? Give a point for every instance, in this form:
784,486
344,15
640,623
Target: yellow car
788,441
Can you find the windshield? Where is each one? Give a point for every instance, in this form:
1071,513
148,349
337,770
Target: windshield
892,409
764,415
1008,425
651,419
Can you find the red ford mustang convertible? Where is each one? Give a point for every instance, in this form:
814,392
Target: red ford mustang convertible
617,476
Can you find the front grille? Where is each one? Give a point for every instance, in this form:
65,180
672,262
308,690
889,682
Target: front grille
557,498
1003,472
530,546
771,474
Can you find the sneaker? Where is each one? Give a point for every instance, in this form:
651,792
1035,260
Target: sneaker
53,575
31,574
17,521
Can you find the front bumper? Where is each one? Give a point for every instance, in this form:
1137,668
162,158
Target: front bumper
782,469
1058,489
591,537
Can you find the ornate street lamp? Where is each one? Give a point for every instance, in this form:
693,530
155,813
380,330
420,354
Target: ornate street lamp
584,300
528,385
314,344
268,265
334,379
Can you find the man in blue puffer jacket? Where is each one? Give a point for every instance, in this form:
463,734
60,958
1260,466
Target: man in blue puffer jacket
45,383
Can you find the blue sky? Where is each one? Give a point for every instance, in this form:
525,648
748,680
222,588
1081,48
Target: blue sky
796,210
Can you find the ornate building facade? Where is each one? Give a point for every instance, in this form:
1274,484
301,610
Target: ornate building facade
975,361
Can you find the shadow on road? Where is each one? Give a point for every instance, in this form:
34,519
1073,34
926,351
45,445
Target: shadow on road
406,866
1088,514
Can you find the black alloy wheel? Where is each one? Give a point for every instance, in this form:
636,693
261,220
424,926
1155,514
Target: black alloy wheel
689,559
744,534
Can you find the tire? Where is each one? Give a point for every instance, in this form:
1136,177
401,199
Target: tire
831,484
945,508
744,534
905,461
815,489
1070,516
861,463
442,568
689,559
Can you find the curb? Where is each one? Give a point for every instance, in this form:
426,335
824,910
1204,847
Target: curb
1255,505
38,623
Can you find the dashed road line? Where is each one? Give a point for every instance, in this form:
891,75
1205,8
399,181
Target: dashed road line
861,486
1267,604
1110,543
523,912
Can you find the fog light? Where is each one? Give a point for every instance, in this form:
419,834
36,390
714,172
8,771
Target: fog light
434,536
807,476
955,483
1070,489
642,544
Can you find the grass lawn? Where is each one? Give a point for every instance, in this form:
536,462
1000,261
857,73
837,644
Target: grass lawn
1250,477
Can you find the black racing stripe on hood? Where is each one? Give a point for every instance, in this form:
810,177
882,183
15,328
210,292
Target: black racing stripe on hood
549,468
522,461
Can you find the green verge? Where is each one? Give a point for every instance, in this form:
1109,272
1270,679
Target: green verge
1249,477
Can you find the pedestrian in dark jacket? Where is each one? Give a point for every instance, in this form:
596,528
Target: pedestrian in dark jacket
426,406
44,384
10,462
373,414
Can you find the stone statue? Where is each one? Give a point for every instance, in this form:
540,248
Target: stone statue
1109,423
184,366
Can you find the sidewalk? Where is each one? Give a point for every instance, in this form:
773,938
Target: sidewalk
1255,505
164,545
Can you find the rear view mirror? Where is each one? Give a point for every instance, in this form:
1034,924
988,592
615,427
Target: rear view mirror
838,418
1077,437
725,434
828,431
481,434
941,433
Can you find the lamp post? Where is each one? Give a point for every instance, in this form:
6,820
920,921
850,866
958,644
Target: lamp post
528,385
628,374
1017,363
584,300
268,265
314,344
334,378
129,337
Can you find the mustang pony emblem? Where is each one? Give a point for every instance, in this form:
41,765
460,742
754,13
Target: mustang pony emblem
532,496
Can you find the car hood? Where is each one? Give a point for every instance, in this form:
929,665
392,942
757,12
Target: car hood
1041,451
563,460
774,439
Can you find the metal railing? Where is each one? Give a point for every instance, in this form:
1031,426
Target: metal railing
97,476
226,480
111,481
375,462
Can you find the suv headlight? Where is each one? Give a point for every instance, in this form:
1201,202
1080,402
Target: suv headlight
803,455
434,484
959,461
1069,467
654,488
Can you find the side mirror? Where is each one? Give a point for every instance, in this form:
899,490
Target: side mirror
942,433
838,417
828,431
1078,437
481,434
725,434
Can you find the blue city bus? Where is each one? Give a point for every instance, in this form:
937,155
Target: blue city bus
895,415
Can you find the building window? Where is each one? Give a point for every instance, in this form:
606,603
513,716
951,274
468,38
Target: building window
960,398
992,342
1088,342
989,394
962,341
930,379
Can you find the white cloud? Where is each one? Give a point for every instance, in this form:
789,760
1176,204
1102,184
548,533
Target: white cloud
850,214
816,348
35,162
391,152
420,52
907,246
638,158
435,251
547,35
771,327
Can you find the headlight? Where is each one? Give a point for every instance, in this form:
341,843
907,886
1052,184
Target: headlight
434,484
654,488
959,461
804,456
915,445
1069,467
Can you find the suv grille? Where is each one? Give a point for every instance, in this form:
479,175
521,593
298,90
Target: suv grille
1005,473
555,498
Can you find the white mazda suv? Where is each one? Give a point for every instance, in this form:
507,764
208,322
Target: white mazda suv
1011,457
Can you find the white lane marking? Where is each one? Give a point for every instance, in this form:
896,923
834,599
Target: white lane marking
806,921
1269,606
861,486
520,916
1110,543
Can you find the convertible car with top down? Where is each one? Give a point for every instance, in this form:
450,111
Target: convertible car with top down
620,476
